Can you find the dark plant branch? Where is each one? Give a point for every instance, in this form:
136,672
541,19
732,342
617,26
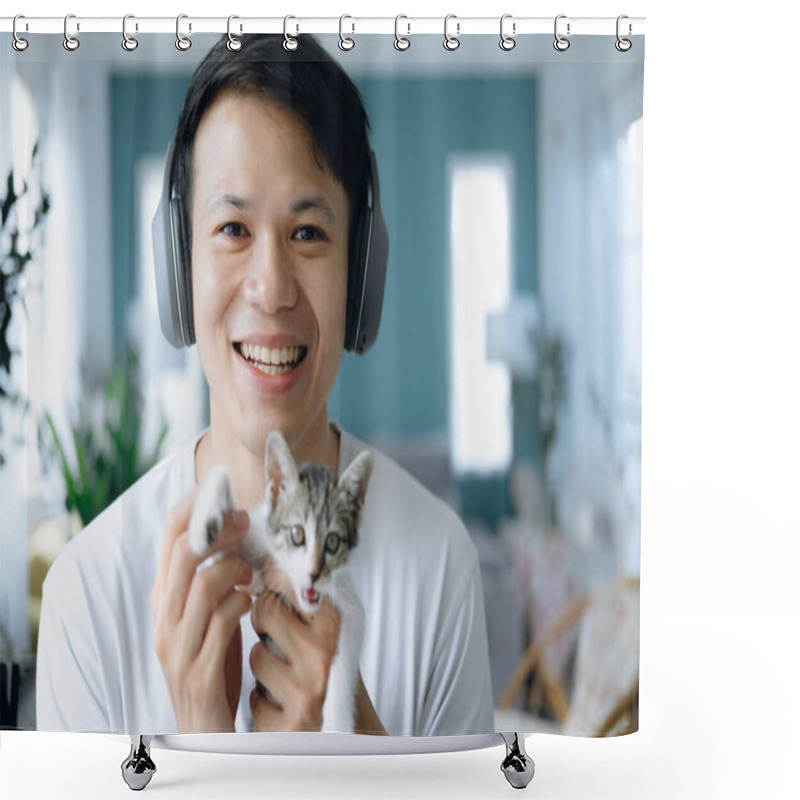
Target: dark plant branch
14,261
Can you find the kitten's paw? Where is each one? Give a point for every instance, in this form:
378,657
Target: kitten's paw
214,500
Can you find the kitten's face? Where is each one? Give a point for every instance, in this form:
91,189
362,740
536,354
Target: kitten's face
313,518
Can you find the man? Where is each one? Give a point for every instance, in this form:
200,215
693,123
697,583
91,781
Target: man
272,162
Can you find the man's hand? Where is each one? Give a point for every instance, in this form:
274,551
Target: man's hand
367,719
296,683
197,635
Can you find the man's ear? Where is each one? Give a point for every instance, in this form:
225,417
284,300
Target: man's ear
355,478
279,466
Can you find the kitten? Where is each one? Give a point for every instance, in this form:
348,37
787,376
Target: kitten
307,524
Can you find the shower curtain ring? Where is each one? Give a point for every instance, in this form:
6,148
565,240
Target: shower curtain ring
19,44
561,43
233,43
623,45
345,42
451,42
128,42
182,42
400,42
507,42
70,42
289,43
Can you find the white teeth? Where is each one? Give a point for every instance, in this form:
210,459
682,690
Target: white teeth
272,369
272,361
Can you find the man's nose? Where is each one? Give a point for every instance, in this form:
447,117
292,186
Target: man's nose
271,283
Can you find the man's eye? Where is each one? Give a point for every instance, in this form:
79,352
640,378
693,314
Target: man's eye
233,229
309,233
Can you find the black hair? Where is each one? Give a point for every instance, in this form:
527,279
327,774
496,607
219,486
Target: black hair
307,81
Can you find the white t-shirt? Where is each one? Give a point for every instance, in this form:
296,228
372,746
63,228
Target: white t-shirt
424,663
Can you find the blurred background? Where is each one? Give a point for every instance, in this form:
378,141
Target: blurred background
507,372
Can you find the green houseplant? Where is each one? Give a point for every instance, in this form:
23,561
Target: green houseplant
107,460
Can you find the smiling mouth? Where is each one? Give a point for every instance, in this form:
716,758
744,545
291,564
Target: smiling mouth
271,360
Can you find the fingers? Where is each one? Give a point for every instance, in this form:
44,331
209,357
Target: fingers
271,671
308,642
224,622
197,615
177,520
183,562
289,701
275,580
212,587
266,716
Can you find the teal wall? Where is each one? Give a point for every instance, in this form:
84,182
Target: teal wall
144,112
401,386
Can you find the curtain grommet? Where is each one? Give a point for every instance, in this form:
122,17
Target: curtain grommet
70,42
623,45
507,42
451,43
129,43
401,42
18,43
561,43
233,44
345,42
289,42
182,42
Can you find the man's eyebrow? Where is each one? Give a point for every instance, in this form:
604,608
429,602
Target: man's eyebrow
317,201
230,199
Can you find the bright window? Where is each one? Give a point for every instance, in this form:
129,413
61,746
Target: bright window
480,191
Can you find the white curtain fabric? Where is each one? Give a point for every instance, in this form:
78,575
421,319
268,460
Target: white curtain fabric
590,284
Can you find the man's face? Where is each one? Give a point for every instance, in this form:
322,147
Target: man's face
269,271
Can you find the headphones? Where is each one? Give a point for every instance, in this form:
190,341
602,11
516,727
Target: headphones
366,272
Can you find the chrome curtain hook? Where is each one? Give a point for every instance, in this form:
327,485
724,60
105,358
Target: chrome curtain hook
233,44
181,42
507,42
451,42
128,42
70,42
561,43
400,42
623,45
345,42
18,43
289,43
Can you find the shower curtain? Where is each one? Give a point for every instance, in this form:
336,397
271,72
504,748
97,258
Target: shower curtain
496,560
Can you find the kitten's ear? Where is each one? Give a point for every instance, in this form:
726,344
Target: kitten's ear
355,478
279,466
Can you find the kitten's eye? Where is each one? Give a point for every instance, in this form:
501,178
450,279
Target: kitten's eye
332,543
297,535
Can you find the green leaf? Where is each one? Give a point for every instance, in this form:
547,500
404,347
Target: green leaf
82,449
65,470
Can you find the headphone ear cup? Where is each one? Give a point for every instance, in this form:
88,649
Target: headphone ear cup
183,270
355,280
367,270
172,261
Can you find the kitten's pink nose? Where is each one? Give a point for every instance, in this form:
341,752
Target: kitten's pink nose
311,595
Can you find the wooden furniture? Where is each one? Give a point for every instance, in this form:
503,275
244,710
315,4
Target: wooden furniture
600,695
